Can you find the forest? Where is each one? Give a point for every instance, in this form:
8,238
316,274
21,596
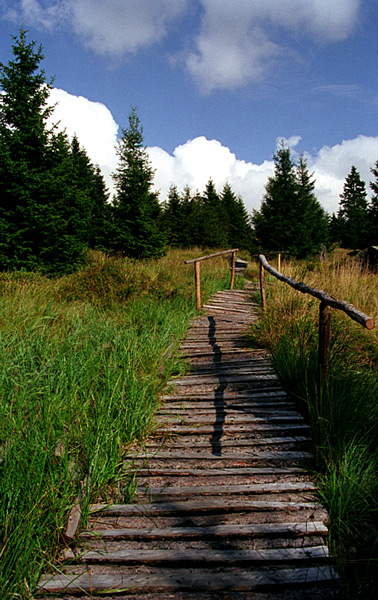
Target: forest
54,205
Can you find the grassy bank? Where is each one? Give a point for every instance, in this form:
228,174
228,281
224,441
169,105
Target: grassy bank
84,359
344,420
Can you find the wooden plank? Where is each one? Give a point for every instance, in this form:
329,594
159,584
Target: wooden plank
276,392
226,309
229,530
253,488
258,455
186,471
193,580
257,427
177,443
73,521
295,417
194,555
182,408
209,504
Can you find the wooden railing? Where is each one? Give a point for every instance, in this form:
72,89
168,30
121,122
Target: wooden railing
197,274
326,302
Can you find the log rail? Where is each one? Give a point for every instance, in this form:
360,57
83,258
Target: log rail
197,275
326,302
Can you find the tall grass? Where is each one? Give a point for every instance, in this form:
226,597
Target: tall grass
344,419
84,359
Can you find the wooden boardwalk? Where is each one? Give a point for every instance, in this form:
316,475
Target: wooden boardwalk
226,507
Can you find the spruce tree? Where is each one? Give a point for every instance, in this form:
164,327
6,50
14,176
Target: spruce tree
43,214
214,233
312,219
274,222
373,208
237,221
290,217
137,213
24,152
353,212
172,219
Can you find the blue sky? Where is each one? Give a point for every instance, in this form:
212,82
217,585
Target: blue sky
217,83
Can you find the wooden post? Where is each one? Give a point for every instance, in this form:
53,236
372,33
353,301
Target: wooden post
324,347
198,283
233,270
262,286
279,262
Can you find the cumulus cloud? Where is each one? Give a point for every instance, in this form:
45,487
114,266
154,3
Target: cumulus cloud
332,164
237,42
92,123
195,161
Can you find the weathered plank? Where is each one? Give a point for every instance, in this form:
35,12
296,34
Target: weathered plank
207,555
240,530
185,579
209,504
256,488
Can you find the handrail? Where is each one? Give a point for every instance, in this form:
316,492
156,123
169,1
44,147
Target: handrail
349,309
197,276
326,301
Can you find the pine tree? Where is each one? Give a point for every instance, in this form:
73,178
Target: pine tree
373,208
24,149
173,218
137,213
237,222
353,212
43,213
290,217
214,233
312,219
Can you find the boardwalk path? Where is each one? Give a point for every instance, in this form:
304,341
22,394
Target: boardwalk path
225,507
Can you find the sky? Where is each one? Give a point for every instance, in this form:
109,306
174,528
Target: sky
217,84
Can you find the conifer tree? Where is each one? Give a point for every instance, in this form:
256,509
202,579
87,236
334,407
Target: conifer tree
42,215
137,213
237,222
290,217
312,219
24,152
172,219
214,234
353,212
373,208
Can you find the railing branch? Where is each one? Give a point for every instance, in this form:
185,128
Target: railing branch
197,274
326,301
349,309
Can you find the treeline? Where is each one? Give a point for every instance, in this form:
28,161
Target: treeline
356,223
207,219
54,204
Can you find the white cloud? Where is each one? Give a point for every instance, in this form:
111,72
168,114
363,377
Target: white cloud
238,41
39,14
195,161
117,27
332,165
92,123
